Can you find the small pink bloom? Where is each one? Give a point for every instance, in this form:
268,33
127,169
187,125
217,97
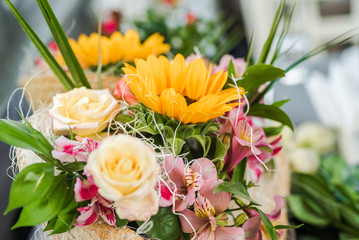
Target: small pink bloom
87,216
98,206
189,180
70,151
208,209
190,18
123,92
238,63
85,190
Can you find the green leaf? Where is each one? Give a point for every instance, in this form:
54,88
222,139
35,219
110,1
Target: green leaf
167,132
280,103
48,206
59,35
236,188
124,118
176,144
217,150
304,213
66,217
287,226
272,33
41,47
257,75
30,184
270,112
75,166
165,225
24,136
205,142
185,131
239,170
272,131
120,222
268,225
35,213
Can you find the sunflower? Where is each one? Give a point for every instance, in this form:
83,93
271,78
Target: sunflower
115,48
189,93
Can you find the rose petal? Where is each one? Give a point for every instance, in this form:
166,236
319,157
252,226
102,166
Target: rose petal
135,209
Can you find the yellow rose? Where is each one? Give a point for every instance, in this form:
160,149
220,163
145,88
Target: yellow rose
125,171
86,111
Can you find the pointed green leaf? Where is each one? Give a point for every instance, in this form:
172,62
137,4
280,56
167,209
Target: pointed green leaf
176,144
272,131
165,225
235,188
30,184
59,35
270,112
257,75
280,103
268,225
41,47
288,226
24,136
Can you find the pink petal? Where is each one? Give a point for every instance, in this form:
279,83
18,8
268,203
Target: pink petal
87,216
206,234
166,198
106,213
85,190
229,233
206,168
195,221
175,169
219,200
276,141
251,227
276,212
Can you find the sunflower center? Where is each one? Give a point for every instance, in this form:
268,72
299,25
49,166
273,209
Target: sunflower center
189,101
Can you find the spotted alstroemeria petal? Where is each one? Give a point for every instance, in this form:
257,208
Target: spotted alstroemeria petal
87,216
203,208
85,190
107,214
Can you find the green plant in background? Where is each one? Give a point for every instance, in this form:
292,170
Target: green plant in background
327,201
184,33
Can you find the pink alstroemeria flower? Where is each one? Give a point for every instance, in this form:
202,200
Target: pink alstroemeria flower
187,181
254,228
209,219
123,92
239,64
87,190
247,141
70,151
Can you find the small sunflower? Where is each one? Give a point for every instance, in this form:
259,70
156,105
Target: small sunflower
189,93
115,48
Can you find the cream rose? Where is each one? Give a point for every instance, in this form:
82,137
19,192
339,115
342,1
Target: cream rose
125,171
86,111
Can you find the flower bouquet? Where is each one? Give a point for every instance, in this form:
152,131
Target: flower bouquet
174,153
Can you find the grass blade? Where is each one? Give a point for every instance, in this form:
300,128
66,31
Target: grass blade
272,33
72,63
41,47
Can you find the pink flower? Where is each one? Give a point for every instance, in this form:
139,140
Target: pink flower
70,151
123,92
254,228
187,181
247,141
239,64
209,219
87,190
190,18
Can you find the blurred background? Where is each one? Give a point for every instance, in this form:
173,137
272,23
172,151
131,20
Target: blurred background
324,89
